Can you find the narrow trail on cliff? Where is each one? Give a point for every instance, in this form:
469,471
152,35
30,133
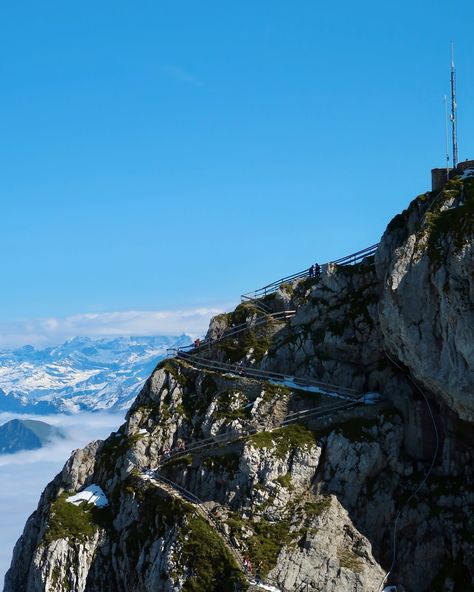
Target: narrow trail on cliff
267,317
181,493
194,356
176,490
273,287
323,388
221,440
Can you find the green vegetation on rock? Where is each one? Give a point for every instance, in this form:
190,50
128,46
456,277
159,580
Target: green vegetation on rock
230,406
77,523
114,448
273,391
284,440
244,311
350,560
173,367
318,506
454,225
285,481
186,460
157,514
212,567
253,339
267,542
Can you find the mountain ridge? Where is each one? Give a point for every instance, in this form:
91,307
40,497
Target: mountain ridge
82,374
26,434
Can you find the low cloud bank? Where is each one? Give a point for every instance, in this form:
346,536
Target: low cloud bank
54,330
24,475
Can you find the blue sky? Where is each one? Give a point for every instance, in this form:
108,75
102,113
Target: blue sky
167,156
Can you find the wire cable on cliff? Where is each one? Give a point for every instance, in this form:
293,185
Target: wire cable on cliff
425,478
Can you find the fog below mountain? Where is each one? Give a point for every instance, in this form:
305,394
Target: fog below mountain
24,475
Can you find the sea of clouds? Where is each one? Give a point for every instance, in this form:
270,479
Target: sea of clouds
24,475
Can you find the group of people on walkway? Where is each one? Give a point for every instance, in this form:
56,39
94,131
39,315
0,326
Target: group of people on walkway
248,565
180,447
315,271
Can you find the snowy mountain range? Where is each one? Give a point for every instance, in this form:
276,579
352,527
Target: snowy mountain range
81,375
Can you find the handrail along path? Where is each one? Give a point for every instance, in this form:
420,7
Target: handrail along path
350,397
233,331
267,375
273,287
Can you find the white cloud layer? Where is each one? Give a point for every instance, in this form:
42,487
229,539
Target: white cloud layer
54,330
24,475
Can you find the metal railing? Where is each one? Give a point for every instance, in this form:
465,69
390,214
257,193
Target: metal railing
324,387
223,439
356,257
205,513
231,438
233,331
351,259
176,490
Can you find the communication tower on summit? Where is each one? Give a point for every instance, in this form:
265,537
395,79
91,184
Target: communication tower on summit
446,134
454,109
440,176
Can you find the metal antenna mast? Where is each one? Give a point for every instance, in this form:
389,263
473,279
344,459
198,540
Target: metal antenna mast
446,134
453,109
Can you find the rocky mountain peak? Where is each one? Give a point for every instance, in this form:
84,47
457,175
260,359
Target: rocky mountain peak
315,424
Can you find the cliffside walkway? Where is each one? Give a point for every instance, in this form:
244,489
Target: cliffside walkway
179,492
351,259
206,344
323,388
176,490
220,440
347,397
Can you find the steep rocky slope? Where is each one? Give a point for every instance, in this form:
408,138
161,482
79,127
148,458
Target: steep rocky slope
216,466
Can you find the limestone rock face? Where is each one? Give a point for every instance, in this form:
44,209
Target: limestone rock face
427,318
62,566
334,557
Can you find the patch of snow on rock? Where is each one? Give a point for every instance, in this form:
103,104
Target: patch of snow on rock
92,494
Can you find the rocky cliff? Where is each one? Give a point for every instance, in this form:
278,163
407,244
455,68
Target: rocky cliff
259,461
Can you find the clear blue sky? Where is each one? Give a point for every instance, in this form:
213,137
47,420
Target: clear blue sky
166,154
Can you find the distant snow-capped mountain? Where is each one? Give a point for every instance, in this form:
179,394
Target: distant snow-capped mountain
82,374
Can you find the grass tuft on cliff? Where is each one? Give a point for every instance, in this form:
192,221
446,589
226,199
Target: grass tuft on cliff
212,566
79,523
284,440
454,224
